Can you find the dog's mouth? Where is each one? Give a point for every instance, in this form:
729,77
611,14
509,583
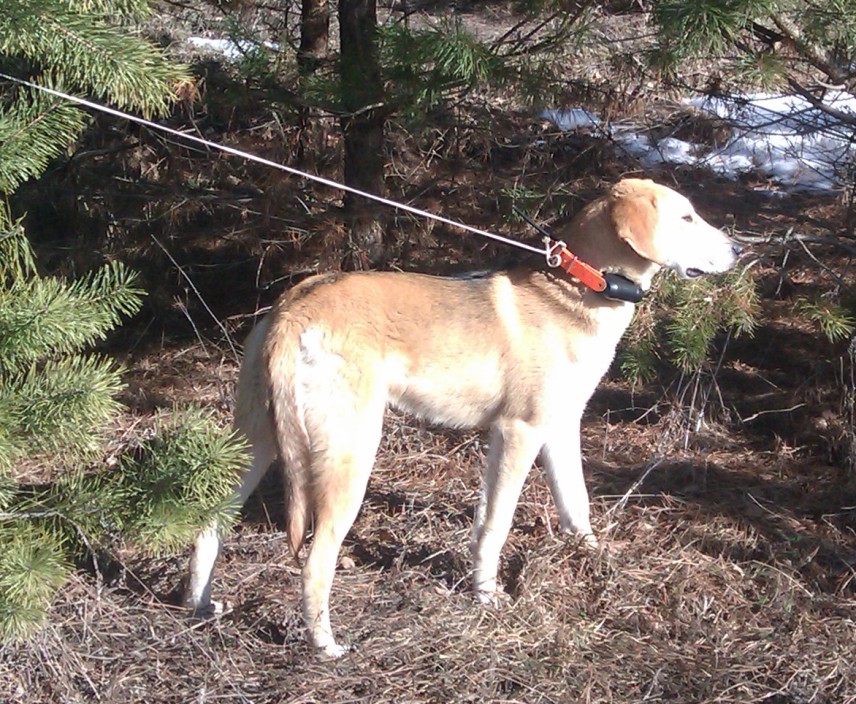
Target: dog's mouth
693,273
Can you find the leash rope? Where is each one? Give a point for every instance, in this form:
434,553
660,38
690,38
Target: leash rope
267,162
555,252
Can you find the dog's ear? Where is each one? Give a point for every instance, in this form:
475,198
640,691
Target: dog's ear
634,217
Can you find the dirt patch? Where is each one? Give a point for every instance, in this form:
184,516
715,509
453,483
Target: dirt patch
726,574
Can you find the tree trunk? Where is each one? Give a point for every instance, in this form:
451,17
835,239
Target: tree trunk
314,36
363,128
314,32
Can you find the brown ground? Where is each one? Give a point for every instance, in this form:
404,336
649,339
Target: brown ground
727,571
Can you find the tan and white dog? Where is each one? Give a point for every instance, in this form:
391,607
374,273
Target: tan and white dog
519,352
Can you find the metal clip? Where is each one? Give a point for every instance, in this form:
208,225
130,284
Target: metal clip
551,247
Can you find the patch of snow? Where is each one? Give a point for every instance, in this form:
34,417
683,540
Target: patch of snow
570,119
783,137
670,151
227,48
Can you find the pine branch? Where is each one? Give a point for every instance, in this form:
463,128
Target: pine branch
7,486
133,10
180,480
60,408
426,66
16,256
817,55
34,129
47,317
55,401
32,568
700,27
89,52
679,320
833,320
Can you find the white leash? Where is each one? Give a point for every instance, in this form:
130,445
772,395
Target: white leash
275,165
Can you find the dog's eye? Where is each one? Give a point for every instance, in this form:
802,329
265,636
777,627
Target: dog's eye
687,218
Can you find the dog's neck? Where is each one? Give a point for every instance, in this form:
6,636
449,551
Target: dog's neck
582,239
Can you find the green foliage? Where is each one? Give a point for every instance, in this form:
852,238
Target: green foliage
56,402
87,45
702,27
831,23
34,128
16,258
678,322
764,69
423,66
831,319
258,62
60,407
179,480
156,497
58,497
124,10
46,316
53,398
32,567
761,42
72,45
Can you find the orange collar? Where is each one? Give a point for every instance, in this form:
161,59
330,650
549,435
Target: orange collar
613,286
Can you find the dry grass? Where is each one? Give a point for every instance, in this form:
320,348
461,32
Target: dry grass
727,575
721,579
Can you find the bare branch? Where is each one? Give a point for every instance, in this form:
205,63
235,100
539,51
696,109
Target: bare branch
817,56
847,118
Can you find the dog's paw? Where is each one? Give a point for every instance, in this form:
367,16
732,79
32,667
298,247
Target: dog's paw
206,611
588,541
495,598
331,651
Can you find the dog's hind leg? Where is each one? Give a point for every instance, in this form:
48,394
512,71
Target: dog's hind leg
513,448
197,596
340,473
252,419
564,469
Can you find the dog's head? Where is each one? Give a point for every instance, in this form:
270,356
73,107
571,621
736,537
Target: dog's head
662,226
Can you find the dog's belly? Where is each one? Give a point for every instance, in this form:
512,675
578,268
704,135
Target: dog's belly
455,409
466,394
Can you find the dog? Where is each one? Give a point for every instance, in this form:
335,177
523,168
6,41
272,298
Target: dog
519,352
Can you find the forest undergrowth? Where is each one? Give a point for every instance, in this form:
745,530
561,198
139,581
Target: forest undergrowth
725,501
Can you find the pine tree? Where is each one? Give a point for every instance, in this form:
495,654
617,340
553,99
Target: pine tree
807,49
59,499
788,43
394,69
679,321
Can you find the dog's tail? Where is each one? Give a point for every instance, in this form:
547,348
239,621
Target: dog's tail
279,361
266,411
296,506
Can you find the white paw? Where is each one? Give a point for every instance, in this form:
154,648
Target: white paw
494,597
589,541
586,540
207,610
331,651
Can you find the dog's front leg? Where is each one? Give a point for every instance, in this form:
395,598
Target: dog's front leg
513,447
564,468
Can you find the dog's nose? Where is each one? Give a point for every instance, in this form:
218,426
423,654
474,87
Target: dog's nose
737,248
